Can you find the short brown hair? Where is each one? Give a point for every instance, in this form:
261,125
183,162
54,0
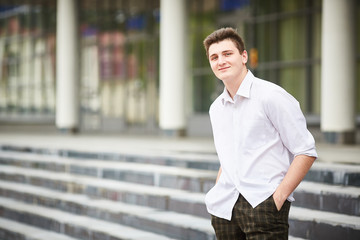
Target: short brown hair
223,34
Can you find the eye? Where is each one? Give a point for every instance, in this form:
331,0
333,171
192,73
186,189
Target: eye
213,58
228,54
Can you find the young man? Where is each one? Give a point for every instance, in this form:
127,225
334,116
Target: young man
263,145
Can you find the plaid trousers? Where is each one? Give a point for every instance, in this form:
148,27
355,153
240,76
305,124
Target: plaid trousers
264,222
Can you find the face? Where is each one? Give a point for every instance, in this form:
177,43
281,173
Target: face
226,61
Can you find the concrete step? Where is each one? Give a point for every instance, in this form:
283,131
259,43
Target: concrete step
164,202
151,196
324,197
323,172
295,238
186,159
303,223
182,226
81,227
84,177
15,230
314,224
334,173
195,180
144,218
330,198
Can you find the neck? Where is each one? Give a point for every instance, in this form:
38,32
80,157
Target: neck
232,86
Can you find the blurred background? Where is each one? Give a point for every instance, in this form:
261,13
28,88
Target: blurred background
130,77
117,43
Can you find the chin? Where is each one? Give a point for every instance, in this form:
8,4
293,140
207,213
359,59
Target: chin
224,78
223,75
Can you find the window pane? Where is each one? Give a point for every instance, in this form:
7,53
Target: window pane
202,22
316,88
358,88
293,80
292,39
358,55
27,58
264,44
120,81
288,6
263,7
316,36
203,92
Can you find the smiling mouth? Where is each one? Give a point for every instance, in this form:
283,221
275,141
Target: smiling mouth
224,68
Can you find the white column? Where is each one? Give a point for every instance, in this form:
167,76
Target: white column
172,65
338,67
67,65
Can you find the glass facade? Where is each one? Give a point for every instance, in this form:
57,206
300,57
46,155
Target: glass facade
119,47
27,58
283,39
357,24
120,55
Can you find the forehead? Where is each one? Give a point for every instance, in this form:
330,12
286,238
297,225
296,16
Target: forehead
222,46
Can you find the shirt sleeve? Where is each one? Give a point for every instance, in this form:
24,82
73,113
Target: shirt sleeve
285,114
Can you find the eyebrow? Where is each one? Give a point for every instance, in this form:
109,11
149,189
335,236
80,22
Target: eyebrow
225,51
212,55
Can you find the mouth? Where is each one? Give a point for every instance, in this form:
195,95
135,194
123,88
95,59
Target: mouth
224,68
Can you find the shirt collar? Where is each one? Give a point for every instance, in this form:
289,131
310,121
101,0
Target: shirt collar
244,89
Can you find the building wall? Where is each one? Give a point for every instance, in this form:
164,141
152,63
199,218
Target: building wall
119,52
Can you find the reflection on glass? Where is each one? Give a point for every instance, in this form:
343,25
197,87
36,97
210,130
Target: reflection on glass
27,59
121,38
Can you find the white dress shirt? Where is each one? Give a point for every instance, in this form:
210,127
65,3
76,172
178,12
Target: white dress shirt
256,135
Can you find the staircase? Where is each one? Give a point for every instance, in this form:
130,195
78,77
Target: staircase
68,194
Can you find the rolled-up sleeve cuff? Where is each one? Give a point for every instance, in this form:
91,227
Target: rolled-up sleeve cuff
311,153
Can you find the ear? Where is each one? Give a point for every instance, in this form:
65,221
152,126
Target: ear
244,55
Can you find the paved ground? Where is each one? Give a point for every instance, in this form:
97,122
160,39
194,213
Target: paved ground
153,145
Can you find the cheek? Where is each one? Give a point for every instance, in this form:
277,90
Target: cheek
213,66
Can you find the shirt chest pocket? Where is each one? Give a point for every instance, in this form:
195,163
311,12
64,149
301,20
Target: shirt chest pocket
254,133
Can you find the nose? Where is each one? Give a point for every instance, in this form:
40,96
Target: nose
221,60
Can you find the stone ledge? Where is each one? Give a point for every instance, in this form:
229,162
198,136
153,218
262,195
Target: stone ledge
333,173
312,224
156,197
311,195
164,176
14,230
70,224
329,198
197,160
